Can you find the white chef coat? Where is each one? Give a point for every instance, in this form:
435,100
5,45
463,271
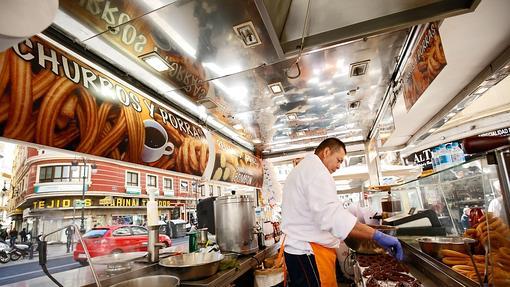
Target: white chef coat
311,210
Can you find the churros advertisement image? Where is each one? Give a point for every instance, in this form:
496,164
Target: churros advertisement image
49,97
130,33
425,63
236,165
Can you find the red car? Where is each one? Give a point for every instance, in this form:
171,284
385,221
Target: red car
105,240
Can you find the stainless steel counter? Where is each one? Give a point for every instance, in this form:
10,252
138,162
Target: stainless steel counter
222,278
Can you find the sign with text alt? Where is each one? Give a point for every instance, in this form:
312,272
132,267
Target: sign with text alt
52,97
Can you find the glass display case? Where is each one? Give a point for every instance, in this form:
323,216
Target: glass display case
470,200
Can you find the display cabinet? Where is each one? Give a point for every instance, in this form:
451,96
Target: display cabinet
471,200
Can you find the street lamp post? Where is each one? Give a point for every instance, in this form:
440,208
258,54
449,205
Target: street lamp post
84,178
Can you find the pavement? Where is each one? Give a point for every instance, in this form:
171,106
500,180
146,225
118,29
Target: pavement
29,269
57,250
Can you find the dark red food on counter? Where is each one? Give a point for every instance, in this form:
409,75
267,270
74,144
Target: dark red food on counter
415,283
380,268
373,283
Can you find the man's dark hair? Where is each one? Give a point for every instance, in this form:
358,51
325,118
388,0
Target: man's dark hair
334,145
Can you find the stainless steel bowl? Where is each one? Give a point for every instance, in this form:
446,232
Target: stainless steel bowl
193,266
433,245
153,281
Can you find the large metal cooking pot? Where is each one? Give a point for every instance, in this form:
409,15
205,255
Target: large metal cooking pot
193,266
153,281
235,224
433,245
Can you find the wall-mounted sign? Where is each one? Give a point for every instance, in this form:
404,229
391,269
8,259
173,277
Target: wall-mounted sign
425,63
236,165
496,133
64,101
133,190
424,157
58,187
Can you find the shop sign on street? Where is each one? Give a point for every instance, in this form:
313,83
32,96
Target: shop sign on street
133,190
55,203
426,62
57,187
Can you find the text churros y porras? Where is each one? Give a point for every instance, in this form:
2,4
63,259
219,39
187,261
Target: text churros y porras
50,98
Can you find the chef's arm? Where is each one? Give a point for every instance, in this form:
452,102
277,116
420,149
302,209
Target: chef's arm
389,243
361,231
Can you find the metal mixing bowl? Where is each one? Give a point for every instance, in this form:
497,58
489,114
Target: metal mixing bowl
153,281
433,245
193,266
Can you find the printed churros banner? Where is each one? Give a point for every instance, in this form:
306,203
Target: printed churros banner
52,97
128,31
425,63
236,165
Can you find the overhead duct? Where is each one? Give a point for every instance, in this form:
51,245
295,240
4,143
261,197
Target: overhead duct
337,21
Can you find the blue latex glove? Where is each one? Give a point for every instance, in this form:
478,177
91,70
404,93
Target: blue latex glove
389,243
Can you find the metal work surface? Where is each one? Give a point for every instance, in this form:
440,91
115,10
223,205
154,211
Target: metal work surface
434,270
222,278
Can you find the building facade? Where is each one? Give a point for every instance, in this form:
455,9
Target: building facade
50,191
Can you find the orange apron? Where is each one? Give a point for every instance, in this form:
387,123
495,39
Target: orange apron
325,258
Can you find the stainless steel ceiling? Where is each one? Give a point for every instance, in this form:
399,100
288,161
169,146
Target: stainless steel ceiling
232,80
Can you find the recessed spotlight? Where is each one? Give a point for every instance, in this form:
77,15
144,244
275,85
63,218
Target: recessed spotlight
155,61
237,126
248,34
354,105
276,88
359,68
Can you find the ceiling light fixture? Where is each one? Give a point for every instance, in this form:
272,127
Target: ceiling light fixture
238,126
354,105
248,34
276,88
155,61
359,68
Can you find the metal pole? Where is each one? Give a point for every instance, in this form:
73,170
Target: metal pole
82,223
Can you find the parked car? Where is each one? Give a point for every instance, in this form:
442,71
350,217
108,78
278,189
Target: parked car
105,240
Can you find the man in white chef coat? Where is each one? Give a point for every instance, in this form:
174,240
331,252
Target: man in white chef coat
315,220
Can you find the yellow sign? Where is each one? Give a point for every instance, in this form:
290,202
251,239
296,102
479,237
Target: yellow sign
52,203
58,203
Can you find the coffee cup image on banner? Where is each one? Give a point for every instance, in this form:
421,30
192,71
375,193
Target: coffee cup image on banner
156,142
